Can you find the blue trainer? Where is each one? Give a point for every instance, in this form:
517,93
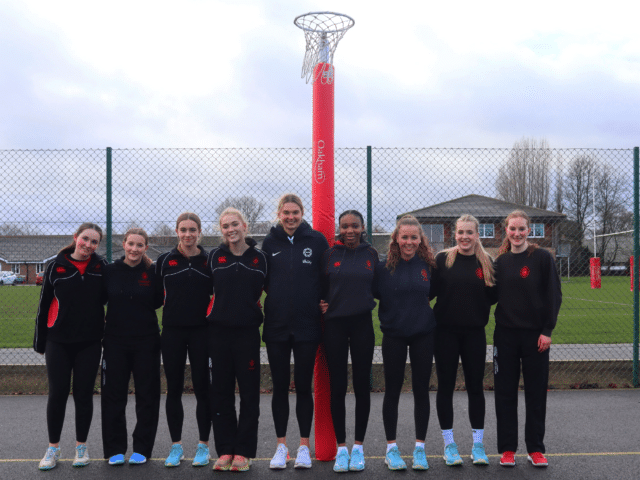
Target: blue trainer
356,464
451,455
202,456
342,461
393,460
477,454
175,455
117,459
137,459
420,459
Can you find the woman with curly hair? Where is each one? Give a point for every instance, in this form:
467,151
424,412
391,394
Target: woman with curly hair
407,323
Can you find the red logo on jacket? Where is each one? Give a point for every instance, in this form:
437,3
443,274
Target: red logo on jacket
252,365
368,265
61,270
425,277
337,264
524,272
222,259
97,267
173,263
255,261
479,273
144,275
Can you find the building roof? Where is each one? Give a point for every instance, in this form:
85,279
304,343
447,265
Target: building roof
485,209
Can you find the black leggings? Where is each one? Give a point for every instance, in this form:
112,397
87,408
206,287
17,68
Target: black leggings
469,345
176,343
394,358
82,359
353,333
304,356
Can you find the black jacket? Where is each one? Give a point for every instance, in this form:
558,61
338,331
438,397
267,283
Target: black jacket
348,277
237,286
293,285
187,288
71,305
133,295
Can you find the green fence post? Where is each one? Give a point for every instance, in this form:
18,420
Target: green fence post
109,212
636,259
369,198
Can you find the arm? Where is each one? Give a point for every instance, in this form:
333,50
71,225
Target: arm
46,297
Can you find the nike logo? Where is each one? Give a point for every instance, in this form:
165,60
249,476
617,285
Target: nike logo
274,254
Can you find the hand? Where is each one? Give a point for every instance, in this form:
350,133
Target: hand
544,343
324,306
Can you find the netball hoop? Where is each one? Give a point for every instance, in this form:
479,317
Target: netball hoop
322,31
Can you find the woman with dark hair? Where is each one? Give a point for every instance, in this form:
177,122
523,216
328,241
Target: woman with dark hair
407,323
463,282
131,346
348,272
529,298
238,270
69,329
292,320
186,282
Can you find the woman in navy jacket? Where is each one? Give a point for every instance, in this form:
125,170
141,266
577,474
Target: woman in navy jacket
131,346
407,322
348,272
187,289
69,328
292,320
238,270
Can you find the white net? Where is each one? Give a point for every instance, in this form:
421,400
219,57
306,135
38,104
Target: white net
322,32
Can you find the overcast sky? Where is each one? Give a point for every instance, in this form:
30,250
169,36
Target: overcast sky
211,73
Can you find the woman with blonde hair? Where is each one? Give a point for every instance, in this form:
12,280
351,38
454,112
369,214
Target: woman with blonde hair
407,322
529,298
463,283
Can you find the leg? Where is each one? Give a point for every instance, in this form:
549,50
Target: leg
506,374
394,359
279,354
304,357
247,371
362,342
198,361
174,356
59,368
85,370
146,377
421,355
473,355
336,346
535,373
115,384
446,351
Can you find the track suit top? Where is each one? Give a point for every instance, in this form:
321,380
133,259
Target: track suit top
528,291
71,304
348,279
187,288
463,298
133,295
237,286
294,285
404,309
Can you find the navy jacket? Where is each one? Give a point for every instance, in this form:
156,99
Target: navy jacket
71,305
293,285
237,286
187,288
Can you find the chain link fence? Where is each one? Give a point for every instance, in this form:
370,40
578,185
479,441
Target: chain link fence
579,200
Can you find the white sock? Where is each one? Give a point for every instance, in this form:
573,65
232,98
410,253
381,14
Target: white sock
447,435
478,435
390,446
343,450
420,444
357,448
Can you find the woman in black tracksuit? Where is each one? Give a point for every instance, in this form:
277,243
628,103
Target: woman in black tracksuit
529,298
69,329
238,270
407,322
292,320
464,283
131,345
186,281
348,273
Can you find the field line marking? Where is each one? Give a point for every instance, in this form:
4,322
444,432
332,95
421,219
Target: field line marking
600,301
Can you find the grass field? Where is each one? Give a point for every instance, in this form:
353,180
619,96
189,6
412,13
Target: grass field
586,316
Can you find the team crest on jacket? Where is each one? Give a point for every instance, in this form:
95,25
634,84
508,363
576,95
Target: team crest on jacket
222,259
61,270
337,264
425,277
173,263
97,267
479,273
144,275
252,365
307,252
524,272
255,261
368,265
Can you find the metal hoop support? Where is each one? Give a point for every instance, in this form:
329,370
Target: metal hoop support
322,31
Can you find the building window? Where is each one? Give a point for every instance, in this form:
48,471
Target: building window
486,230
435,233
40,267
537,230
15,269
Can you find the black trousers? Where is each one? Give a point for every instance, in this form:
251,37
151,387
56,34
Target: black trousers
511,348
121,357
234,356
353,333
176,343
304,358
470,346
64,359
394,358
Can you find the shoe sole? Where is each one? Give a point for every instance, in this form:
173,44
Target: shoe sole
479,461
356,469
301,465
419,467
79,464
137,463
174,464
539,465
200,464
394,469
455,463
44,469
508,464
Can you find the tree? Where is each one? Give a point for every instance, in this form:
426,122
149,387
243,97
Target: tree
14,229
162,230
248,206
578,190
612,197
524,177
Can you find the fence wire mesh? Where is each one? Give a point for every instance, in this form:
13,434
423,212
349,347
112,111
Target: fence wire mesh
579,200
